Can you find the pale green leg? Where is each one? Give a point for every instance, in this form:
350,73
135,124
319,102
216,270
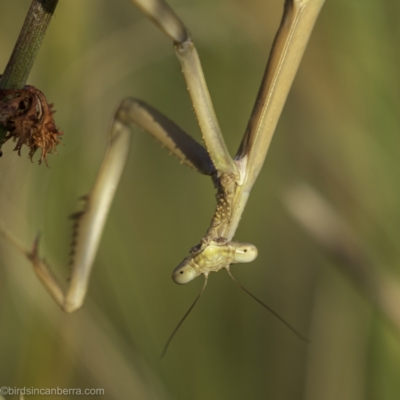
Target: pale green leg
90,222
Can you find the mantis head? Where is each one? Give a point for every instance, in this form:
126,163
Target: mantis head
213,257
244,253
185,272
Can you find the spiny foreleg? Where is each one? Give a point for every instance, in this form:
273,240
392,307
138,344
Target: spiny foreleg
89,223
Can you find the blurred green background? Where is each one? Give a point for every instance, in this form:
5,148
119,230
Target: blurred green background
339,134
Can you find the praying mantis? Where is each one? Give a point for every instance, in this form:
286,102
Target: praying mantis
233,177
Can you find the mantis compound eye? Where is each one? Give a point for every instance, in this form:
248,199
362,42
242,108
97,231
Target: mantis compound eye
183,273
245,252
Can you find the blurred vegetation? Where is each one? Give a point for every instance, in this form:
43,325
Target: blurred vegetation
339,133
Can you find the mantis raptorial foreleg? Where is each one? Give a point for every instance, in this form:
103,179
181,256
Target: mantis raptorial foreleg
233,177
165,18
89,223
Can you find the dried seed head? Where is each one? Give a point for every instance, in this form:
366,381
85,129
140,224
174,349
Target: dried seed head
28,119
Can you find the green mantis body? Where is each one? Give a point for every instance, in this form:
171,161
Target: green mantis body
233,177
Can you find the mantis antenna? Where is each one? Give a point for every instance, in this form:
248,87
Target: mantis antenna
294,330
233,177
274,313
183,318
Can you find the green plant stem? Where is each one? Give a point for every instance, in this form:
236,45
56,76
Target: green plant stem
24,54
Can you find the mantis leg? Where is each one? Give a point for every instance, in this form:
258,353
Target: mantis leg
89,223
182,145
166,19
291,39
297,23
298,20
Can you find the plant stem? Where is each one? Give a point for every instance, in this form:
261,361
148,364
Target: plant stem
24,54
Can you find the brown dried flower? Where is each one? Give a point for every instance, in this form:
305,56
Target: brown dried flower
28,119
